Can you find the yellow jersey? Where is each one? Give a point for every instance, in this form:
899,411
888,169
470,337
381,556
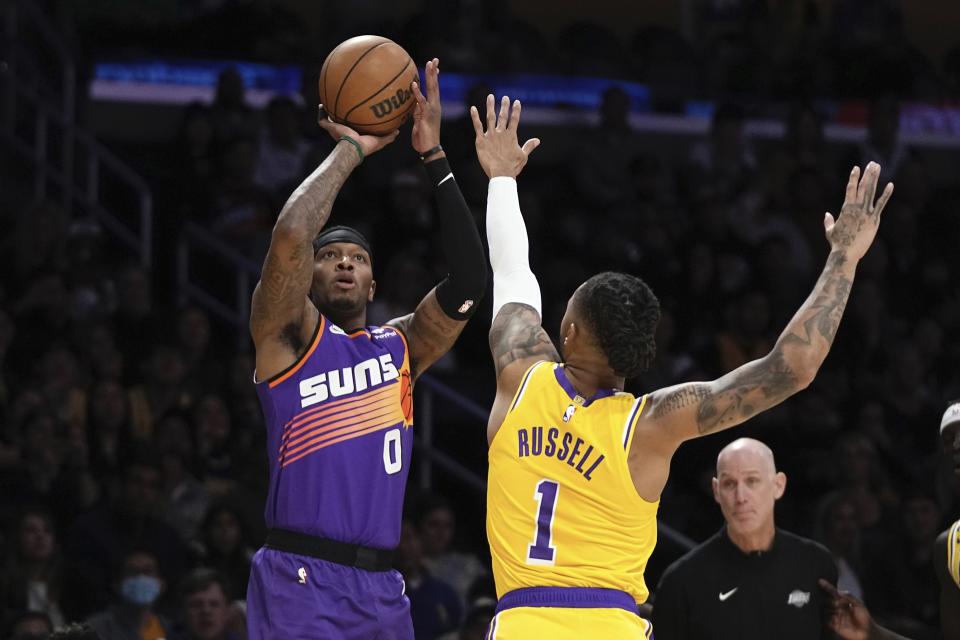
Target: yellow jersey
953,552
562,509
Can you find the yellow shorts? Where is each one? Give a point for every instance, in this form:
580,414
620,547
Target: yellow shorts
543,623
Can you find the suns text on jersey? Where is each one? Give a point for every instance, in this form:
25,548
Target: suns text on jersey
560,445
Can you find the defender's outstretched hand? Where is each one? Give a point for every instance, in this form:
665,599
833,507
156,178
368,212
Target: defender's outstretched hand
369,144
856,227
497,148
426,113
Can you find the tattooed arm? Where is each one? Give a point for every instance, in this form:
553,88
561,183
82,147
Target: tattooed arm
282,319
690,410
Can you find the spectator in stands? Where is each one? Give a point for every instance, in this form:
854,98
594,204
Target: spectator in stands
30,625
203,362
133,616
227,547
862,479
134,319
602,164
436,524
75,631
163,390
239,209
282,149
108,427
838,529
207,612
31,575
193,158
98,542
722,167
434,605
884,144
231,115
902,578
216,453
186,499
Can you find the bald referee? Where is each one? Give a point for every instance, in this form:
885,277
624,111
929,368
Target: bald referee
335,394
751,579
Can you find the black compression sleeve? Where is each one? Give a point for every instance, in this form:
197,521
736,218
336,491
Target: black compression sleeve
460,292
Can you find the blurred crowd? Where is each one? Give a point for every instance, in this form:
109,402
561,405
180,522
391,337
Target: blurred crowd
132,468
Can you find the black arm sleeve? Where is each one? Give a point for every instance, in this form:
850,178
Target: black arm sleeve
461,291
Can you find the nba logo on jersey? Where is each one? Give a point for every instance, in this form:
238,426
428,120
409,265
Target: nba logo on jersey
569,413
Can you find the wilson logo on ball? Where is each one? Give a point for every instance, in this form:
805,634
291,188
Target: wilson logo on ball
385,107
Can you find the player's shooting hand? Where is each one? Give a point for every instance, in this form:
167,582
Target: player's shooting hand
497,148
369,144
426,113
856,227
846,616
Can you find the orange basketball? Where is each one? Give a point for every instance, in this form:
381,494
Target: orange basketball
365,84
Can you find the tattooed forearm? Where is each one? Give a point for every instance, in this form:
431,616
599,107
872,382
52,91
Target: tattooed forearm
516,334
743,393
288,268
682,396
794,360
310,204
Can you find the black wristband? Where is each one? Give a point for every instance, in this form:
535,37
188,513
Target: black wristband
429,152
437,170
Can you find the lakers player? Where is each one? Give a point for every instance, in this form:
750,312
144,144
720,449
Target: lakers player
576,465
947,547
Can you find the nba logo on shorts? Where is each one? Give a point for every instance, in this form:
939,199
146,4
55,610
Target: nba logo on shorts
798,598
302,574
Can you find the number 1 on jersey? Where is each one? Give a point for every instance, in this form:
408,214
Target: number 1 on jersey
541,552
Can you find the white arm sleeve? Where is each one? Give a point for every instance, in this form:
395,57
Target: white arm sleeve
507,237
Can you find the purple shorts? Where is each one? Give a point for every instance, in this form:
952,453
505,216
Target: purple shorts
298,597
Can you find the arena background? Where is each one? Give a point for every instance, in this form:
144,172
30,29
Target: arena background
147,148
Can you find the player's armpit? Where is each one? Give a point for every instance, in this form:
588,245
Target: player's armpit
430,332
695,409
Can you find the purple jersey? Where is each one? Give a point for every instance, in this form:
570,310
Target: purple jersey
339,436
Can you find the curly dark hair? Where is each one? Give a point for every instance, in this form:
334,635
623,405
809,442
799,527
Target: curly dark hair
622,313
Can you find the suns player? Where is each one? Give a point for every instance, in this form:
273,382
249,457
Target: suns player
335,397
576,465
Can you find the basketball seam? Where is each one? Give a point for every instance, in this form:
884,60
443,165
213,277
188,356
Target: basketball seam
378,91
336,103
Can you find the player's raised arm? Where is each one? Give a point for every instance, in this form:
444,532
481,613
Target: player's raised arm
690,410
516,338
440,317
281,315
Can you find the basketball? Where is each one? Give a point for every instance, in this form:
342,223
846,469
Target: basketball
365,84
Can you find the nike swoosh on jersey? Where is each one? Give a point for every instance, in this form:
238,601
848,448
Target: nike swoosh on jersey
724,596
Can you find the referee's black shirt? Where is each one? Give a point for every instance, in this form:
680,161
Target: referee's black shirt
717,591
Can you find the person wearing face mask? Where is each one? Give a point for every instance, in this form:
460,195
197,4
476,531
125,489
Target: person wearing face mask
133,617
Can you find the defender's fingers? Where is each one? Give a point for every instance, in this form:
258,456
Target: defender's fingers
514,116
884,197
530,145
504,113
433,81
868,183
851,195
416,93
477,125
491,114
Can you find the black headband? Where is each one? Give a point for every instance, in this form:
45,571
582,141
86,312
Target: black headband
341,234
